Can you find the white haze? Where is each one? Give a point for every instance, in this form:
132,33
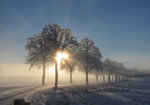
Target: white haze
64,79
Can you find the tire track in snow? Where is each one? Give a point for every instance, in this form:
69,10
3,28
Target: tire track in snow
8,97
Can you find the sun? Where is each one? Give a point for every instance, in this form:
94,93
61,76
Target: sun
60,56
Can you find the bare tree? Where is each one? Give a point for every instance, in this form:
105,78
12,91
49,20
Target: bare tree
38,52
108,68
60,39
71,63
98,69
42,48
119,69
114,68
88,54
69,66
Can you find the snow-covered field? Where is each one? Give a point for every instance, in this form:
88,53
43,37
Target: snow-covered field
135,91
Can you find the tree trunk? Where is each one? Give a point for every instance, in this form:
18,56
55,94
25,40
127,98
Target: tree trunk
87,81
56,75
109,77
70,76
119,78
116,78
96,77
103,77
123,77
112,78
43,77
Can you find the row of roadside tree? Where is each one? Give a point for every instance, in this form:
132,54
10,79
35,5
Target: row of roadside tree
83,55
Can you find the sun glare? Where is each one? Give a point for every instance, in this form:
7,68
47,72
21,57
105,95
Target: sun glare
61,56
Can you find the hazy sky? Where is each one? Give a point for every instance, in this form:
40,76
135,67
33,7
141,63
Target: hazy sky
121,28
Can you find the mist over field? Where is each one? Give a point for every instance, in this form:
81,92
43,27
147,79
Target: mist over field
78,78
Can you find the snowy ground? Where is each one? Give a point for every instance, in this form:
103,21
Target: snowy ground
132,92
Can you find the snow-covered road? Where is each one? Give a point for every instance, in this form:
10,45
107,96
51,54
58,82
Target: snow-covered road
8,94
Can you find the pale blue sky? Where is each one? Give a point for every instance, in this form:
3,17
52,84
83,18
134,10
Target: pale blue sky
121,28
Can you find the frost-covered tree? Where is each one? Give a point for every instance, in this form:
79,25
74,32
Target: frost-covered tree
71,63
114,68
42,48
60,39
98,70
119,70
70,67
38,52
88,55
108,67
